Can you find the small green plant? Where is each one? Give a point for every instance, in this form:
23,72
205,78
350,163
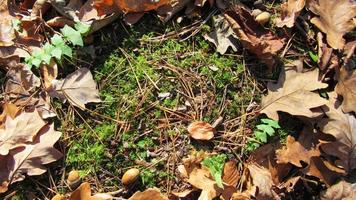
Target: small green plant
266,128
216,167
313,56
58,45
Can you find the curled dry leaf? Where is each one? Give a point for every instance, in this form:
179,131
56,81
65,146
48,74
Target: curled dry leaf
335,19
343,128
296,151
254,36
79,88
150,193
290,12
340,191
201,130
83,192
231,175
324,53
346,88
223,36
262,179
293,94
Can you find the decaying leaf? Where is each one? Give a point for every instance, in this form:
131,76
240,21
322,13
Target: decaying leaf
34,148
340,191
346,88
335,19
19,131
262,179
254,36
201,130
230,174
79,88
297,151
293,94
290,11
343,128
223,36
150,193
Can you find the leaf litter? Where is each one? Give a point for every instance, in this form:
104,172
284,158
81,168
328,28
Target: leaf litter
322,99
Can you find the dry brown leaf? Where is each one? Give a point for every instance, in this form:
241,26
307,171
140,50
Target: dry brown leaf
201,179
19,131
231,175
201,130
29,158
320,168
254,36
150,193
324,52
340,191
346,88
83,192
293,94
343,128
8,109
297,151
290,12
79,88
7,32
262,179
335,19
222,36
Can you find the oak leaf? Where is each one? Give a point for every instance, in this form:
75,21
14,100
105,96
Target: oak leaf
335,19
222,36
290,11
298,150
293,94
231,174
254,36
346,88
78,88
342,126
19,131
340,191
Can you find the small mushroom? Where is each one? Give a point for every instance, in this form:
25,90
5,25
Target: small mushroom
263,17
57,197
130,176
73,179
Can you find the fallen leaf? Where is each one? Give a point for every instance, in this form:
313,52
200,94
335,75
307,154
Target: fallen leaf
8,109
201,179
343,128
296,151
262,179
148,194
324,52
340,191
335,19
7,31
222,36
230,175
254,36
290,12
346,88
83,192
201,130
293,94
30,157
319,168
19,131
79,88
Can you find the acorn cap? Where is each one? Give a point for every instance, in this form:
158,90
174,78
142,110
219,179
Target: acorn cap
130,176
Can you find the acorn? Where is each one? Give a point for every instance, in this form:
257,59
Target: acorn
73,179
130,176
57,197
263,17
